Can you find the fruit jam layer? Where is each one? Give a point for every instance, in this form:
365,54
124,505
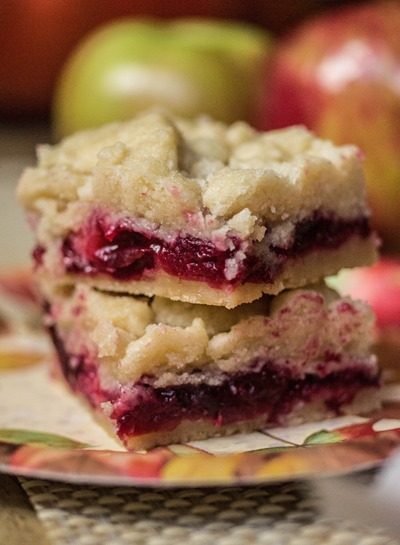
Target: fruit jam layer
121,251
266,390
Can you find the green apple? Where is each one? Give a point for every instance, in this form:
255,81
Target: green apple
245,47
189,67
339,74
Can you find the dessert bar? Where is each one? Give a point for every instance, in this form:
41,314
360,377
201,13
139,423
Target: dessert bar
160,371
196,211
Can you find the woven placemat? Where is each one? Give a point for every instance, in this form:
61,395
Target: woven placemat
284,514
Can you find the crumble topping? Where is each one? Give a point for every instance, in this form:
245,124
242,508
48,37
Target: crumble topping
133,337
201,212
164,170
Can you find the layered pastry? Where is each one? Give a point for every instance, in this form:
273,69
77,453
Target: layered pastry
196,211
162,371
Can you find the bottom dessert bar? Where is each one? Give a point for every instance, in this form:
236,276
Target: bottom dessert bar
163,372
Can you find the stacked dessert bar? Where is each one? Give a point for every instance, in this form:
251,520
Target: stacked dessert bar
181,265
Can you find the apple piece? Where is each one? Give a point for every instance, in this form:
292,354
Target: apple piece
338,74
131,65
379,285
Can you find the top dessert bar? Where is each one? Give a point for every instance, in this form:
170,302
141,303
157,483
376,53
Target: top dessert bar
195,210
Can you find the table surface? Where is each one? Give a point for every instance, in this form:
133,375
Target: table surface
50,513
18,518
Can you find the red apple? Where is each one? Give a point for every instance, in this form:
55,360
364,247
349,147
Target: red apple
339,74
189,67
378,285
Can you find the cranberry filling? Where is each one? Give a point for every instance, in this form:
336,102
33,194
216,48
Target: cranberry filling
271,391
266,389
124,253
38,254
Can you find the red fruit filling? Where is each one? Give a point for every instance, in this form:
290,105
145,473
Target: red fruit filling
120,250
266,389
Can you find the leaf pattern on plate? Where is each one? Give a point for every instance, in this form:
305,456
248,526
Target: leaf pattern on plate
323,437
39,439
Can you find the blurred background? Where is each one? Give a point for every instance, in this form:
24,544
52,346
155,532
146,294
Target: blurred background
38,36
332,65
